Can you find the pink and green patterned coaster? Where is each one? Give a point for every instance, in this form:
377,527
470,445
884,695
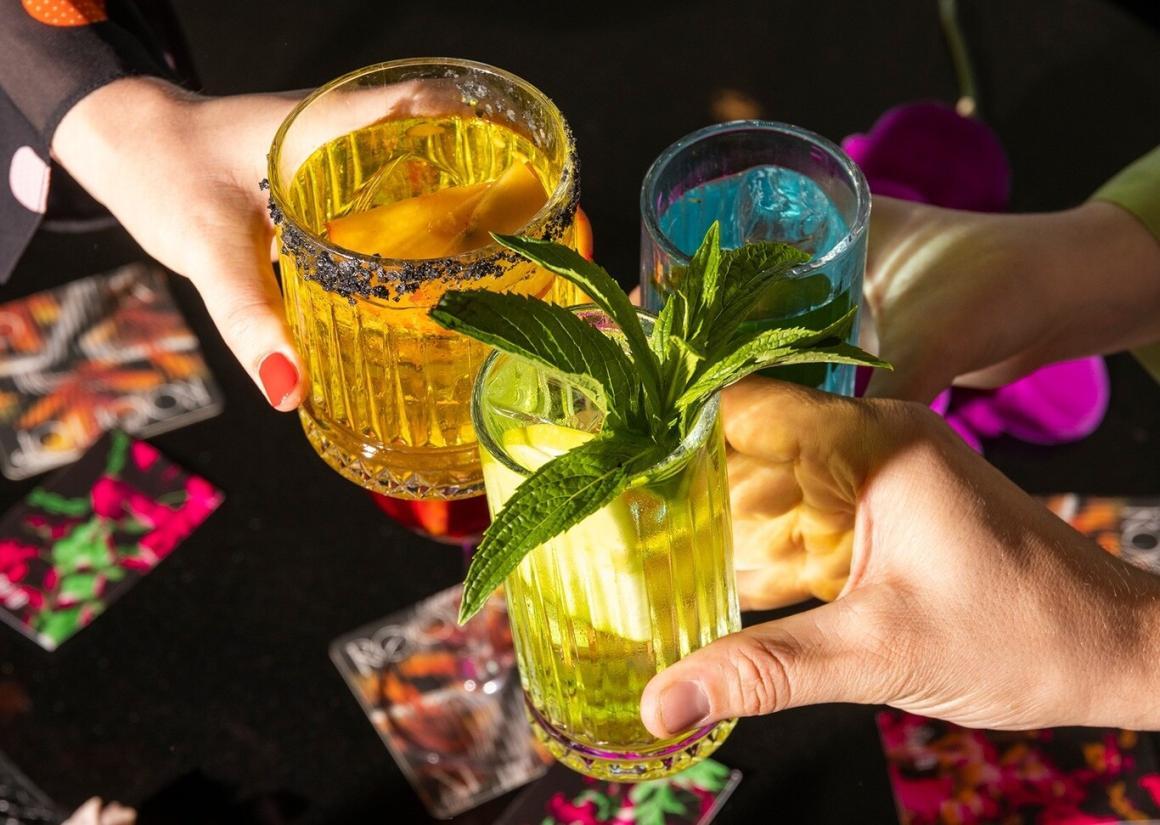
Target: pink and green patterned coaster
79,541
563,797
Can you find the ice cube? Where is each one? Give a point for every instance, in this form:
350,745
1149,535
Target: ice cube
778,204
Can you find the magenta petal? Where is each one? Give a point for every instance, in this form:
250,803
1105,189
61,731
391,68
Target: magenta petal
1056,404
976,408
109,496
929,148
941,402
144,455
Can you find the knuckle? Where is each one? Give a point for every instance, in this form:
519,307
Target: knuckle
245,321
761,671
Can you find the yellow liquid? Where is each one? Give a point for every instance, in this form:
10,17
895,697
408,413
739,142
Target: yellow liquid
599,610
389,398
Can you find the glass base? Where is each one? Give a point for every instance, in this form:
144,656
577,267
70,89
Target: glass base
448,473
624,766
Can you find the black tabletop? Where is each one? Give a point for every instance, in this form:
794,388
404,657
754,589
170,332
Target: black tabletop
215,665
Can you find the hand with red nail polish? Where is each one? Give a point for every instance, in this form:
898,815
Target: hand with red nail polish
967,600
279,378
181,173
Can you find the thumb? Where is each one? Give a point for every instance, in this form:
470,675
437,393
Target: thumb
805,659
236,280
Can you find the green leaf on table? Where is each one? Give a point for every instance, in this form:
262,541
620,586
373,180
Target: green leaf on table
85,547
59,505
54,626
118,452
708,775
557,496
603,802
551,336
79,587
654,801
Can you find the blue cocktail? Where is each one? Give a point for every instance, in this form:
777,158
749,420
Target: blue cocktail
763,182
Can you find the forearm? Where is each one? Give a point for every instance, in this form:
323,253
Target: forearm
1098,269
104,127
1123,684
52,56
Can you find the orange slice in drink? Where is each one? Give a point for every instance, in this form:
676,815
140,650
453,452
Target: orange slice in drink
426,226
510,202
445,222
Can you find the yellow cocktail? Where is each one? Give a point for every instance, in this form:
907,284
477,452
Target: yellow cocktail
385,185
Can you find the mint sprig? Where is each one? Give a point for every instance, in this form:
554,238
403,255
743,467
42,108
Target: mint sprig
559,495
650,395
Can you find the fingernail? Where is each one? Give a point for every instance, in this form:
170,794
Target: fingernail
683,706
278,376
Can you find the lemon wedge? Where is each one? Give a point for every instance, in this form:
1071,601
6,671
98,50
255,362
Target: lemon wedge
594,572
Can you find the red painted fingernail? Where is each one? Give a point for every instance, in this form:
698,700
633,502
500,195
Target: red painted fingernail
279,378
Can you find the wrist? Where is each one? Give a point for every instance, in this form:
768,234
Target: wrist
109,124
1121,682
1099,275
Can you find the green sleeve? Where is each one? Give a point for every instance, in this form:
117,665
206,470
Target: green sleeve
1137,189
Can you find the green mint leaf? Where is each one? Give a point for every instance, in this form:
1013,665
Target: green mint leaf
786,297
605,292
711,270
777,337
551,336
746,275
700,281
559,495
747,266
759,354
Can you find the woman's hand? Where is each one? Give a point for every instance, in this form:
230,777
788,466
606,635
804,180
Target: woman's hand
981,299
967,599
181,173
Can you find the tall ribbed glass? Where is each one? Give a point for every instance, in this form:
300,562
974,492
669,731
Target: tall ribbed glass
388,400
599,610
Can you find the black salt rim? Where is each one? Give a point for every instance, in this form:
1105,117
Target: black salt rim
367,276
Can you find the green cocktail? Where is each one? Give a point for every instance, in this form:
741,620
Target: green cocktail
604,465
602,608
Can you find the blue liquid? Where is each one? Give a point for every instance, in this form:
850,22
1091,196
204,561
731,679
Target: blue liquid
772,203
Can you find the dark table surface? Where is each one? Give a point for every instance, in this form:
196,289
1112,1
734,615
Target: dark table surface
217,662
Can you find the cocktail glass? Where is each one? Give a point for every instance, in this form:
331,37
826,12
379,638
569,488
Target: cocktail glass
763,181
388,404
599,610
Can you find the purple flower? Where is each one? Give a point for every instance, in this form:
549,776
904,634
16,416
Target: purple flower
929,153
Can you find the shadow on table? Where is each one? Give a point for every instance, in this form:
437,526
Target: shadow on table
196,799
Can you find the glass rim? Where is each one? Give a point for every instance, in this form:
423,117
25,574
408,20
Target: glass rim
559,200
861,189
658,471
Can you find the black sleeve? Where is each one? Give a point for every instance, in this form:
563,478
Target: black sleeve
52,54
